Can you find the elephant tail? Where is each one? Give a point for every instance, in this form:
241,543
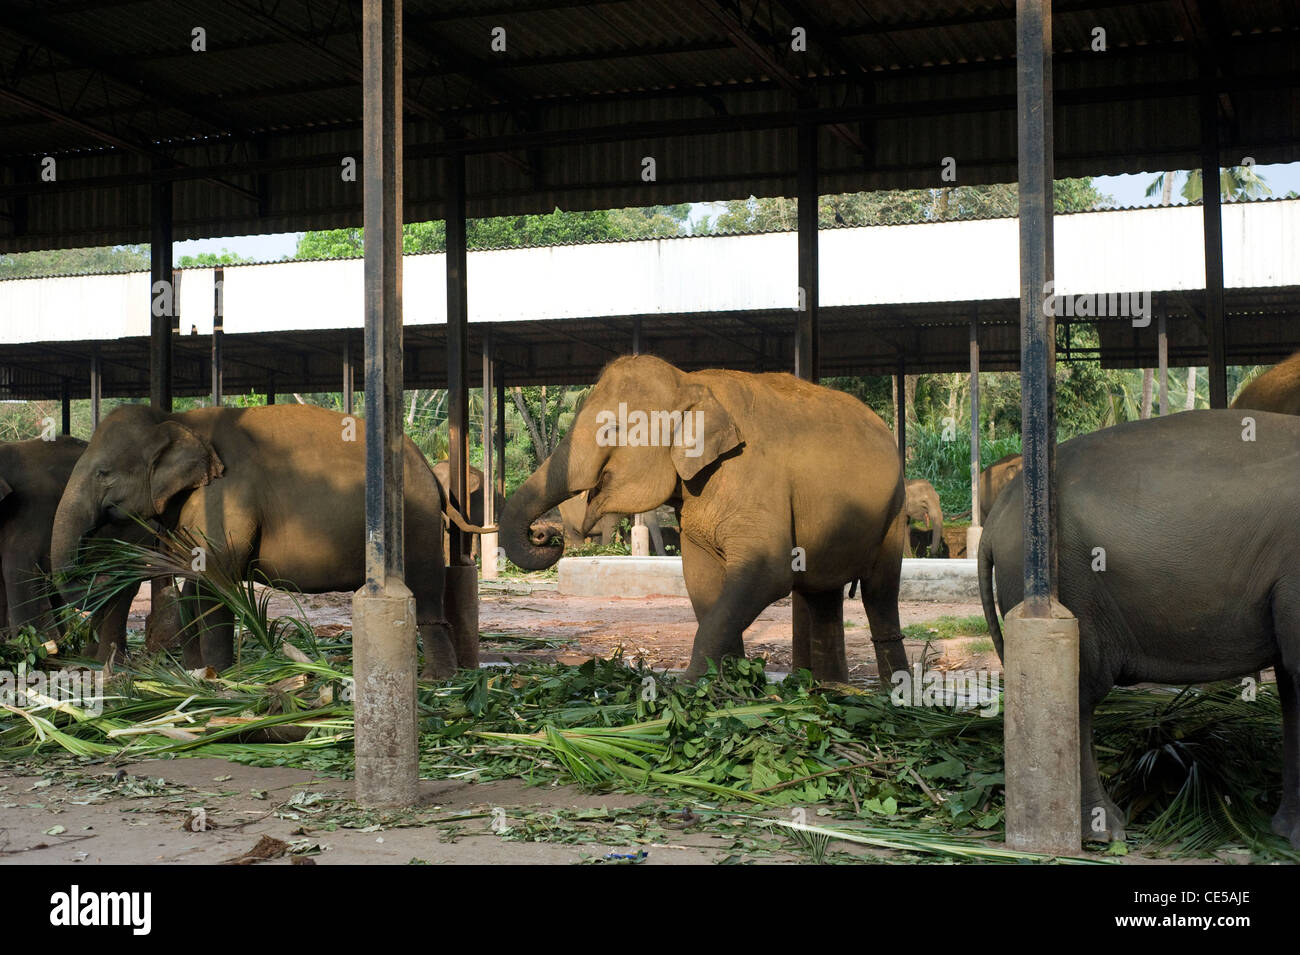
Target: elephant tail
987,597
853,588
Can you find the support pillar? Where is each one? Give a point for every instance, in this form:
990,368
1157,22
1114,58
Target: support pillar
975,531
383,610
1041,651
461,599
639,545
65,399
218,338
349,377
96,386
1213,227
162,317
900,412
490,542
807,339
1162,360
270,389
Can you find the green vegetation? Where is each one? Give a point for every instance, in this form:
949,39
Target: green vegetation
946,627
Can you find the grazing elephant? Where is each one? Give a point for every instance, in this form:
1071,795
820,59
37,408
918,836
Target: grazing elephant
923,505
1197,584
1278,389
33,475
278,491
781,485
994,479
569,516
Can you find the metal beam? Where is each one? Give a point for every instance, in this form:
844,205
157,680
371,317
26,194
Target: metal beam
457,350
807,352
1212,219
974,424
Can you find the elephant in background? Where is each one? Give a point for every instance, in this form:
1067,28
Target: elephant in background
782,486
993,481
566,520
442,471
923,506
278,491
33,475
1277,389
1198,584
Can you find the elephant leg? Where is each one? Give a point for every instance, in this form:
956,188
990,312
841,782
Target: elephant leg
1286,623
656,535
209,635
819,634
27,603
109,625
727,599
1102,820
5,622
880,600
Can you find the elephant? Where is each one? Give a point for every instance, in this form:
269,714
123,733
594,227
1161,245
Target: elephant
32,477
994,479
278,491
442,471
923,505
782,486
1278,389
569,517
1197,583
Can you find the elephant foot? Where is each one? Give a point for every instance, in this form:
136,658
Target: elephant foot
1102,821
1286,823
439,657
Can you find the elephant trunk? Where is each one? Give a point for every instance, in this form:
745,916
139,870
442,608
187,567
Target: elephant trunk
72,522
545,489
936,535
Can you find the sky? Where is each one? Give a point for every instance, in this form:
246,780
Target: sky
1128,190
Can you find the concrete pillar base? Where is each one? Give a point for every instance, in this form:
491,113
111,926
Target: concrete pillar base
640,541
1041,667
383,666
488,545
460,602
973,535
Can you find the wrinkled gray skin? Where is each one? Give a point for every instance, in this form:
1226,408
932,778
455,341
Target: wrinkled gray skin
923,507
1198,585
993,480
277,490
33,475
781,463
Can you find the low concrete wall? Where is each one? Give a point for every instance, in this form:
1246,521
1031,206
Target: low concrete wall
939,581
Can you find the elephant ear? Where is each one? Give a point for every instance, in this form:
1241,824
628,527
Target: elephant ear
706,432
179,460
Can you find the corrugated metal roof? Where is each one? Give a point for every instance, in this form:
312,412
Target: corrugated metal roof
279,82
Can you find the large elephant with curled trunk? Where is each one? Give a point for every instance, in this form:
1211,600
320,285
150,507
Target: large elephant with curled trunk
1171,560
781,485
1277,389
278,492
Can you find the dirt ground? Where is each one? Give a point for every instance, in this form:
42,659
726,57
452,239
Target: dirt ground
529,620
210,811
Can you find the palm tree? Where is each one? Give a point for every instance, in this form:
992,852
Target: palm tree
1235,183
